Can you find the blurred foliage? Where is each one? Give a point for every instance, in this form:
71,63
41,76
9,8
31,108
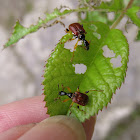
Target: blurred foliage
126,125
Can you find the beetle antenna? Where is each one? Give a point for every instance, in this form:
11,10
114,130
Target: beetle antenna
58,87
62,87
94,90
58,95
97,90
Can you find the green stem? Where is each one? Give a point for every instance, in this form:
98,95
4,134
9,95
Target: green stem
122,15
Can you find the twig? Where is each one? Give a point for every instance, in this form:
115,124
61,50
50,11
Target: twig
122,15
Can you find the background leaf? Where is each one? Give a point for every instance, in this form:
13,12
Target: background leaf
132,13
100,73
114,5
21,31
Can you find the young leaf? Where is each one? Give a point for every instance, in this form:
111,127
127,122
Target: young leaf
96,16
21,31
132,13
100,16
113,6
100,73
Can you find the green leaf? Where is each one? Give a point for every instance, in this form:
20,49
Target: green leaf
112,6
100,16
100,73
96,16
21,31
138,36
132,13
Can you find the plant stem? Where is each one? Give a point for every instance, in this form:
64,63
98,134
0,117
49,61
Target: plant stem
122,15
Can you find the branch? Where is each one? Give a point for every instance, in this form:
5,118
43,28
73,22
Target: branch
122,14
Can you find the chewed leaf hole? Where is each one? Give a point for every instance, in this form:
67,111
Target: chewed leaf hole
93,27
70,44
107,52
83,15
111,16
116,61
80,68
97,35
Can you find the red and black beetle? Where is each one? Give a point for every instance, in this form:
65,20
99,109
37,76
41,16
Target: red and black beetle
79,32
77,96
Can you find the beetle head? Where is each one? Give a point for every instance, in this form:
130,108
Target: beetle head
62,93
81,36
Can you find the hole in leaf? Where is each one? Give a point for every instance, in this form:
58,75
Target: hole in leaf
70,44
116,61
138,14
63,8
92,27
107,52
80,68
111,16
83,15
97,35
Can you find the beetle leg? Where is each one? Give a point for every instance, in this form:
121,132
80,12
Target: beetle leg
66,100
78,89
71,39
67,88
86,92
63,87
76,44
71,106
75,48
75,36
77,107
80,109
58,98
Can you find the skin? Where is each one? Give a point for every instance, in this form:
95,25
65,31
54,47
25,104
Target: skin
27,119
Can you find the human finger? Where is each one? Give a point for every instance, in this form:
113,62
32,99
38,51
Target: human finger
22,112
56,128
15,132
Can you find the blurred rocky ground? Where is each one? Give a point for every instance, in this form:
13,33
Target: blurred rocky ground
22,65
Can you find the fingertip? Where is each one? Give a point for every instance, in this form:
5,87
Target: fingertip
57,127
30,110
